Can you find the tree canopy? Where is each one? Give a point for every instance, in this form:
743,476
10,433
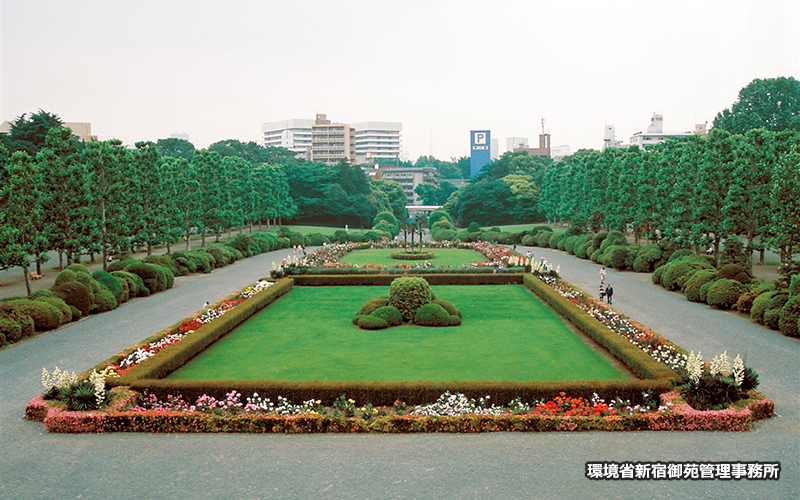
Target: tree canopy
770,103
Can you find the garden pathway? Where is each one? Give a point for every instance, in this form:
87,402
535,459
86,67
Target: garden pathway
35,464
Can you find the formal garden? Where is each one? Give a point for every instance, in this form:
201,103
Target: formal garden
528,352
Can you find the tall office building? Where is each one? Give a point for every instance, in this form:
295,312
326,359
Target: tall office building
332,142
294,135
377,141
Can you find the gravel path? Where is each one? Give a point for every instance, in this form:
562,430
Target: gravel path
35,464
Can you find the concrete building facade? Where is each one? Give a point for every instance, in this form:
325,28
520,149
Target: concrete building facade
294,135
332,142
409,178
377,141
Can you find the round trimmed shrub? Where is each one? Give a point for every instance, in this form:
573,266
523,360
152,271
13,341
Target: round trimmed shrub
75,294
736,272
582,250
597,256
543,239
597,239
778,300
554,239
455,320
66,276
680,254
108,282
448,306
165,261
699,278
790,313
724,293
45,316
10,331
119,265
658,274
704,291
135,284
570,242
370,322
153,276
13,313
677,273
316,239
63,308
615,256
40,294
613,238
76,313
432,315
358,317
772,318
408,294
390,314
760,304
104,301
373,304
745,302
528,241
646,258
79,268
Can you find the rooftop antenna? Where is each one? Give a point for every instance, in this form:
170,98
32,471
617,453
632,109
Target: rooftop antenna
542,126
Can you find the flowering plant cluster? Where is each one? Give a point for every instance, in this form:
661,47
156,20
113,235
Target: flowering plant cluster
231,405
718,384
457,404
186,327
647,340
75,393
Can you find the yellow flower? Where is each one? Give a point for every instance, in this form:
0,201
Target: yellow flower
351,401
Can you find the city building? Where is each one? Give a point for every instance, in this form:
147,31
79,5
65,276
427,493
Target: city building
559,152
81,130
513,143
294,135
655,133
542,150
409,178
377,141
332,142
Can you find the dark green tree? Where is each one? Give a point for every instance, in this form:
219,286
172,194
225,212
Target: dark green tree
176,148
770,103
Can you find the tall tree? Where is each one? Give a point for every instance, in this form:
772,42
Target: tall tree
771,103
785,203
176,148
29,133
150,219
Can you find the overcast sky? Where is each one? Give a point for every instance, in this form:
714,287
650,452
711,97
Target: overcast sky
141,70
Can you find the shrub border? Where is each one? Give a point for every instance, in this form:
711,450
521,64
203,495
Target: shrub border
402,255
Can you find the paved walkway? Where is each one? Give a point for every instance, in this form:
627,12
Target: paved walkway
35,464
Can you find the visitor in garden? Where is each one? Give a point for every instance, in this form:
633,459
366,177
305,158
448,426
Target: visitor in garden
602,274
609,293
602,292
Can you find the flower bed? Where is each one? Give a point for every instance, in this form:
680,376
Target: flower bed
452,413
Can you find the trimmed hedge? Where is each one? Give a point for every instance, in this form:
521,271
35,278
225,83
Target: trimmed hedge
45,316
432,315
368,279
789,316
75,294
15,314
699,278
63,308
373,304
390,314
109,282
678,272
724,293
412,256
371,322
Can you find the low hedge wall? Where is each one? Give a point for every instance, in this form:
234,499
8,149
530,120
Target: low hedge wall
386,279
412,256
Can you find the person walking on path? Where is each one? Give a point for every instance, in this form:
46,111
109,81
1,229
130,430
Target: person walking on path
602,292
603,274
609,293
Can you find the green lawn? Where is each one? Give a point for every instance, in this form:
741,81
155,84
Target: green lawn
507,334
446,257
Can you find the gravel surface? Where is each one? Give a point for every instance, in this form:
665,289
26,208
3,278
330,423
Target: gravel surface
35,464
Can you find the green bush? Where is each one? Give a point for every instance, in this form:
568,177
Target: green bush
778,300
316,239
553,241
448,306
65,276
613,238
408,294
704,290
772,318
455,320
153,276
438,215
582,250
63,308
109,282
735,272
615,256
597,256
528,240
167,261
658,274
569,243
745,302
733,253
646,258
76,313
373,304
104,301
10,331
678,272
79,268
75,294
597,240
699,278
539,228
760,304
794,285
370,322
135,284
39,294
790,313
18,317
185,263
724,293
390,314
119,265
432,315
680,254
543,238
45,316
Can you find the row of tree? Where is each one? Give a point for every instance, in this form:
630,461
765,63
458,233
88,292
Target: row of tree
693,192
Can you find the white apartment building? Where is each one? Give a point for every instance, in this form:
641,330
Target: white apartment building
377,140
294,135
332,142
371,141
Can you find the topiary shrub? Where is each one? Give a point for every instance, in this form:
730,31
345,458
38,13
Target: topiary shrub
543,239
724,293
613,238
569,244
760,304
135,284
408,294
119,265
745,302
108,282
455,320
390,314
778,300
13,313
658,274
704,291
65,276
646,258
45,316
794,285
527,240
104,301
735,272
373,304
597,256
699,278
153,276
677,273
448,306
39,294
63,308
582,249
772,318
370,322
432,315
10,331
554,239
788,319
680,254
615,256
167,261
76,313
316,239
75,294
358,317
